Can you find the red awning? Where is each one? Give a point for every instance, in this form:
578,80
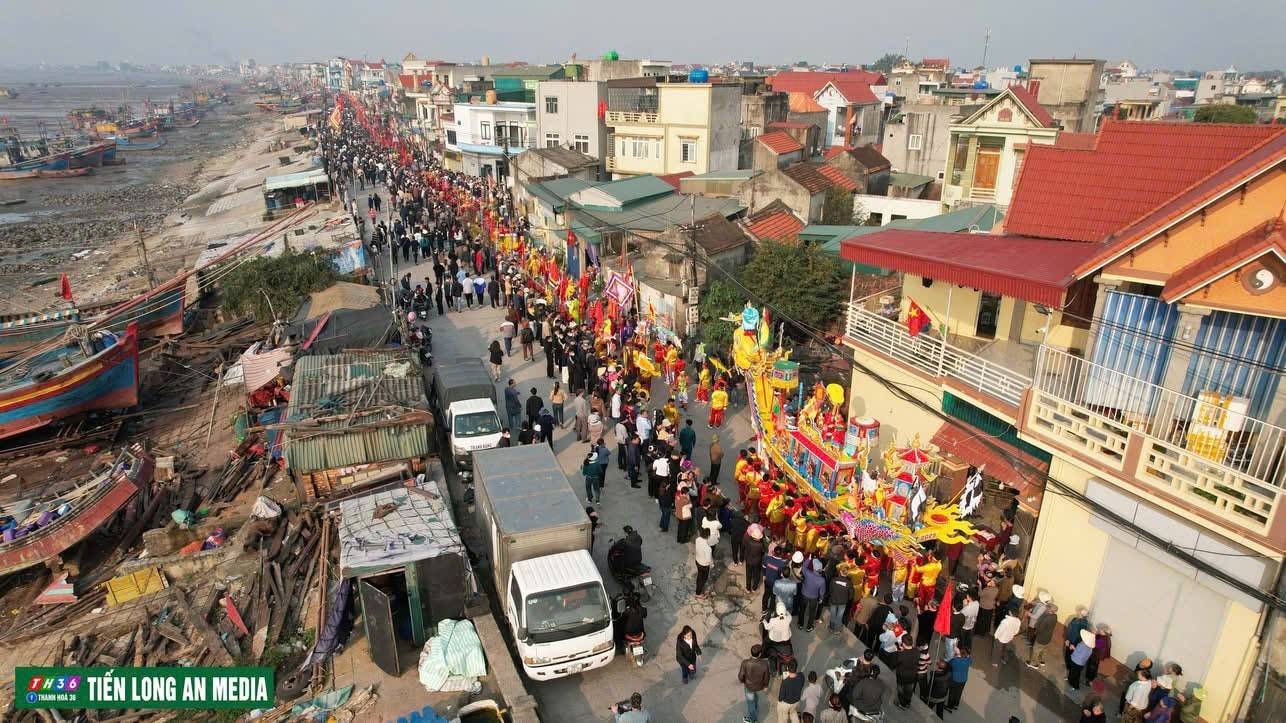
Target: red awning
966,442
1031,269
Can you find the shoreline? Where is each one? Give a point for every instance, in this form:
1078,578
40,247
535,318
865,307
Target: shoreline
61,234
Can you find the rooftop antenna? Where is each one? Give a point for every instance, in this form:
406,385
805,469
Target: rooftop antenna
906,49
986,41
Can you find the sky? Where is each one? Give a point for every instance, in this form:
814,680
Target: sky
1182,34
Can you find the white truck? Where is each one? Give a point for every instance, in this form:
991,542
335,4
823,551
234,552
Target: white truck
464,398
538,540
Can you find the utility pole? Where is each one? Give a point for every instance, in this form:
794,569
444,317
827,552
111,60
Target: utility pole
986,41
142,249
694,290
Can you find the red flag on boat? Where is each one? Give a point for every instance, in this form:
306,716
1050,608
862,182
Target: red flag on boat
65,291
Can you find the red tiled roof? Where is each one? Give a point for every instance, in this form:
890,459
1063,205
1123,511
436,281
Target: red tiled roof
804,103
674,178
943,63
1027,99
779,226
965,441
834,151
809,177
837,177
410,81
1260,158
779,142
804,81
854,91
1264,238
1035,270
792,125
1076,141
1088,195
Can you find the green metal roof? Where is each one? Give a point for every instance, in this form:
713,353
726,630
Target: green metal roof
909,180
543,72
632,190
361,387
556,192
655,214
984,217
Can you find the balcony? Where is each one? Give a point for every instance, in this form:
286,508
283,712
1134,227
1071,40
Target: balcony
622,117
1231,470
939,359
611,163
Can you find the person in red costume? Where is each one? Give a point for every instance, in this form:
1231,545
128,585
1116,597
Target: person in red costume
871,565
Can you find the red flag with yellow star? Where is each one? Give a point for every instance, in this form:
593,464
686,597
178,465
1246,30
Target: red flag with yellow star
916,320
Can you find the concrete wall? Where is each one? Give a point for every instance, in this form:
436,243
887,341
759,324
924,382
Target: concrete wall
767,187
757,111
1069,90
932,123
887,207
725,127
577,114
764,158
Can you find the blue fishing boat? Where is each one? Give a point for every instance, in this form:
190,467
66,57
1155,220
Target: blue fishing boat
126,143
157,313
94,370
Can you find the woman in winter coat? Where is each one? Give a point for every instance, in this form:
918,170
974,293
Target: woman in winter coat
686,652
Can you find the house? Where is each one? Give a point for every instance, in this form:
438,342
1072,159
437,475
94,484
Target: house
807,135
601,69
1138,99
760,110
542,164
802,187
915,82
776,149
719,184
664,270
987,148
1217,86
663,128
868,169
1070,90
853,113
774,222
1120,346
918,137
486,136
569,114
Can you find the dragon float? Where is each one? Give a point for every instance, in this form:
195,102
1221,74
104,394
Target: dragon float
827,455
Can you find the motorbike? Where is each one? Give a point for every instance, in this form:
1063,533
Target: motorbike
634,650
638,580
628,614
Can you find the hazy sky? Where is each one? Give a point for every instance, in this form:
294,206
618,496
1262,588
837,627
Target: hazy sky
1186,34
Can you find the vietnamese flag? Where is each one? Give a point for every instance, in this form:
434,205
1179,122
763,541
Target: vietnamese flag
916,320
65,291
942,623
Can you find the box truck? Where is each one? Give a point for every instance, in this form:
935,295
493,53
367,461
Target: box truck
464,399
538,540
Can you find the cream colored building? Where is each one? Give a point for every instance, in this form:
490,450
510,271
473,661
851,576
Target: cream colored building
665,128
986,150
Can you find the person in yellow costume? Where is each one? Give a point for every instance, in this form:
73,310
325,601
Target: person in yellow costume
899,582
776,517
573,309
795,532
703,384
718,403
671,356
929,571
855,574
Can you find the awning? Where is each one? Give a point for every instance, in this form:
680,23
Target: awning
1031,269
966,442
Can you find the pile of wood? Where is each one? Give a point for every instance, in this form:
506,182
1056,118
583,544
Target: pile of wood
290,565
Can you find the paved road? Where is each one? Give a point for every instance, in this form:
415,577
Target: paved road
726,621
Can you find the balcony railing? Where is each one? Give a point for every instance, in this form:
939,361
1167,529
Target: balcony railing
933,356
611,163
1214,459
616,117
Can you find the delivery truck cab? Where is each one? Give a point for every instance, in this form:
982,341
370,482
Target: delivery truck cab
538,540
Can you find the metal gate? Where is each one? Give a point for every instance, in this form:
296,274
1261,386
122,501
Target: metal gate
377,617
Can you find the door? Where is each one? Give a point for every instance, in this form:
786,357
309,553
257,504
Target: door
988,311
377,617
985,170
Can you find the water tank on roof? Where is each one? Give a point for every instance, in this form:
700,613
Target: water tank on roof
611,55
699,75
1018,68
980,84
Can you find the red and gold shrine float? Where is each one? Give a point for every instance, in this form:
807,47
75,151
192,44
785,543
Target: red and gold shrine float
824,456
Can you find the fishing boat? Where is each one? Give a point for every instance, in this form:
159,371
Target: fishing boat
22,154
27,173
93,370
91,156
125,143
136,128
157,313
86,119
38,530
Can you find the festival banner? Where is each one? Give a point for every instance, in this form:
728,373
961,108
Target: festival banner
124,688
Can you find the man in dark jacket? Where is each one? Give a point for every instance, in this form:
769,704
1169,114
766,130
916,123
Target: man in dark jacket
534,403
839,593
906,668
737,526
513,405
752,552
773,567
753,677
812,587
633,458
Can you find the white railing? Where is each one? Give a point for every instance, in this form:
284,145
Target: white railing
934,356
1239,444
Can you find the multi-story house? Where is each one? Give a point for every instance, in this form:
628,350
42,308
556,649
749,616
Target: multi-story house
666,128
611,68
854,114
569,115
915,82
1138,99
484,137
986,150
1070,90
1115,356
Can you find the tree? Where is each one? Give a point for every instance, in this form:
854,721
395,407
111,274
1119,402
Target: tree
838,209
718,301
274,286
886,62
799,280
1224,113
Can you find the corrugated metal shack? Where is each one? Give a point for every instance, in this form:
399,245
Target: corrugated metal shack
356,419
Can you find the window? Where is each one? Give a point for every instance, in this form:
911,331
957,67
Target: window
914,142
638,147
582,143
486,131
551,140
688,150
551,104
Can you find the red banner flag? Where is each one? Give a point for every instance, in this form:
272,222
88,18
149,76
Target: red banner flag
65,291
942,622
916,320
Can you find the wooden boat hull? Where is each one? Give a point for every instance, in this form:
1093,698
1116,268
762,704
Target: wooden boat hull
21,174
107,380
125,144
159,316
132,473
91,156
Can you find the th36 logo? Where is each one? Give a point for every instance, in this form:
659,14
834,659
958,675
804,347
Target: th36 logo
56,684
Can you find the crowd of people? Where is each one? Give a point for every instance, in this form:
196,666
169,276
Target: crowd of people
617,377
